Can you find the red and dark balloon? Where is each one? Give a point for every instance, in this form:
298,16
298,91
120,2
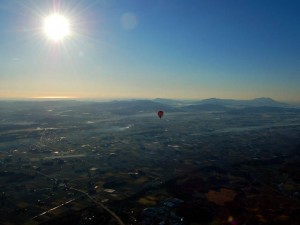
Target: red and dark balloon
160,114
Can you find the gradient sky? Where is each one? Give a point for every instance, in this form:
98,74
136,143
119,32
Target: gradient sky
152,48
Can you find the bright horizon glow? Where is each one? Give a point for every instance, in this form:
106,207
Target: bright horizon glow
56,27
53,97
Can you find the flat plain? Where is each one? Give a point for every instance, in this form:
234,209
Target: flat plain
61,161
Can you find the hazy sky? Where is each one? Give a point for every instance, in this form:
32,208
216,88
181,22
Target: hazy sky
152,48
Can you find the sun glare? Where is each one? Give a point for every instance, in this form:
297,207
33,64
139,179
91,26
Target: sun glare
56,27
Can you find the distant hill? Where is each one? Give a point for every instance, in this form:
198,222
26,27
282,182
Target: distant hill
266,102
170,102
205,107
129,107
253,102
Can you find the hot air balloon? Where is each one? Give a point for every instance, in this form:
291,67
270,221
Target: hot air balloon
160,114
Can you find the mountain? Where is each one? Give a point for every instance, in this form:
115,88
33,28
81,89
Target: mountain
131,107
205,107
171,102
236,103
266,102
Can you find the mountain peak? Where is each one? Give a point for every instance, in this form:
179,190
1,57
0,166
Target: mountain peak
264,99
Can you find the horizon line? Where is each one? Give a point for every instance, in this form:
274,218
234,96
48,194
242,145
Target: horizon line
73,98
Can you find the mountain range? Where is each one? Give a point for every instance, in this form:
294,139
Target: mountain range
128,107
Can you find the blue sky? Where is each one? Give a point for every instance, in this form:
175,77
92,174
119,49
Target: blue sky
152,48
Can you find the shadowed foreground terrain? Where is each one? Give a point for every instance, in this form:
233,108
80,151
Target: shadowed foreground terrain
208,162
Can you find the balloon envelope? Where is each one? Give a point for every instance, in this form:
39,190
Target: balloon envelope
160,113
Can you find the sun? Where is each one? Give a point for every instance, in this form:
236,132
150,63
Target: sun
56,27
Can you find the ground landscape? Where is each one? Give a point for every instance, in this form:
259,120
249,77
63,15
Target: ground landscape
204,162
